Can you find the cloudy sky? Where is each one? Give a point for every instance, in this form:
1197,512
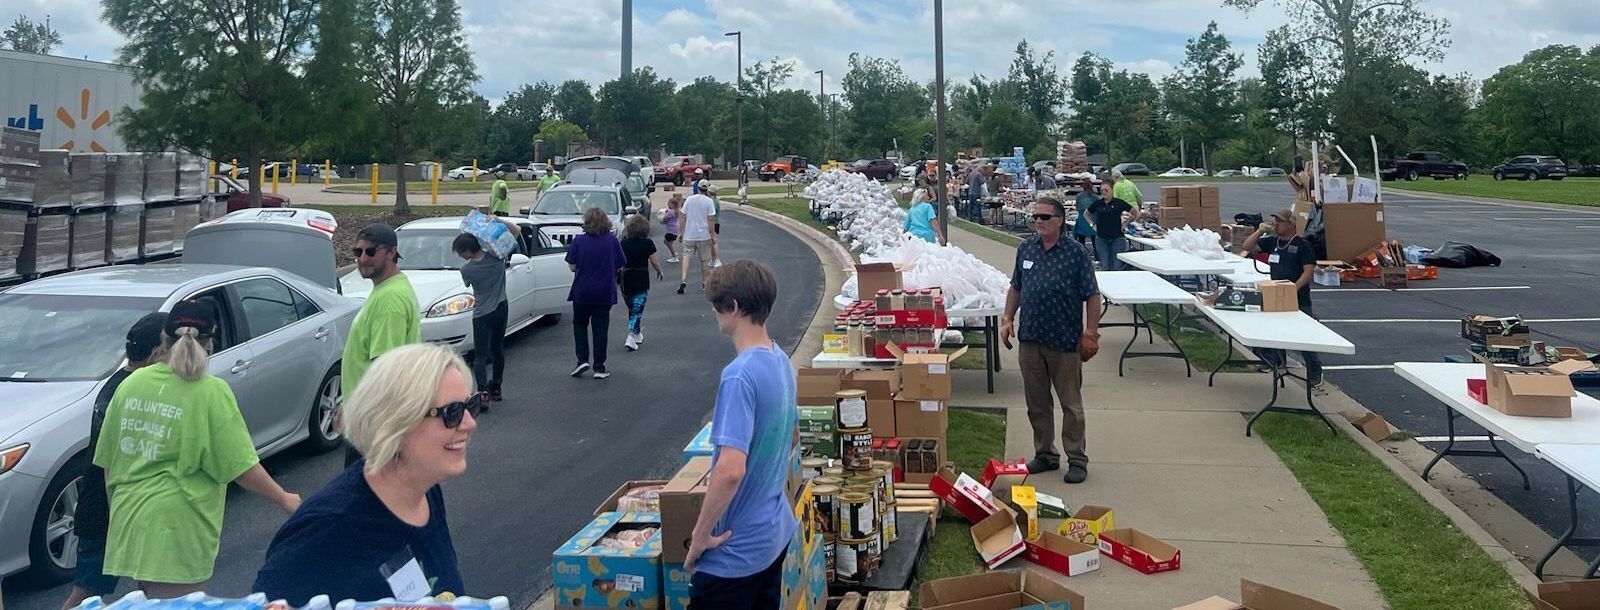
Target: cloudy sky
516,42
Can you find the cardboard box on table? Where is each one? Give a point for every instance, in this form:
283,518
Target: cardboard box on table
1024,589
1499,331
587,575
872,277
1533,391
1568,595
1087,523
1140,551
1062,554
924,376
1352,229
922,466
1172,218
880,387
1258,596
817,387
1264,296
610,503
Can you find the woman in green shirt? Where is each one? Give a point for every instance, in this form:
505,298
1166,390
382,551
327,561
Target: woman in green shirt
173,439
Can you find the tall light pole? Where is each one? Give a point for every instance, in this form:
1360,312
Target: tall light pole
627,38
822,102
738,94
939,106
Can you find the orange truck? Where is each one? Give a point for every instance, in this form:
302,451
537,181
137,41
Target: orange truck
782,166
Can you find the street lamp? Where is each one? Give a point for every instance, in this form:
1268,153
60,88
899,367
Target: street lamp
822,102
738,95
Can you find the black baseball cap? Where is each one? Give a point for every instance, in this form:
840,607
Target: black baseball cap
145,335
192,314
379,234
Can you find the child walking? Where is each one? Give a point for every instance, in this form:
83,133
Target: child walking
639,251
671,217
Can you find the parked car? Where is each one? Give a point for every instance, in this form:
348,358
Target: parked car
1181,172
281,334
281,169
1531,167
782,166
1132,169
559,211
502,170
1267,172
465,172
647,169
605,170
679,169
533,171
876,169
1229,173
537,281
1587,170
1422,163
238,195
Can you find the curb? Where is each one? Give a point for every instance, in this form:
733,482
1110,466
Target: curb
841,257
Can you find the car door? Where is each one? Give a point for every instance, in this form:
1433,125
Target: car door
290,337
552,278
520,285
233,360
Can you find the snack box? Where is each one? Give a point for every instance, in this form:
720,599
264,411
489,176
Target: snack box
585,574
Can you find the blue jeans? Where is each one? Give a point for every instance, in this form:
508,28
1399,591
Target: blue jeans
975,209
90,571
1106,251
636,312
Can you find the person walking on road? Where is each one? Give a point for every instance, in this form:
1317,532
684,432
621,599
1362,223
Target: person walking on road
412,417
709,190
175,439
1110,217
923,219
1291,258
671,219
640,254
389,318
94,510
485,274
738,543
500,197
699,237
595,257
1053,287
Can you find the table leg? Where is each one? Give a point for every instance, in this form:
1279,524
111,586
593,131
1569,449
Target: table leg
1450,443
991,350
1569,537
1278,374
1211,381
1173,337
1450,449
1513,464
993,323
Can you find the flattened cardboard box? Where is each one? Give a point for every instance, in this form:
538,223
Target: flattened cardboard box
1258,596
1140,551
1023,589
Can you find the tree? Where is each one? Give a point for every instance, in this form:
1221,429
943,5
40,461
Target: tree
635,112
1545,103
556,133
1202,96
509,134
1114,112
757,87
223,78
707,126
885,106
419,65
1005,125
27,36
1292,92
574,103
1039,87
339,100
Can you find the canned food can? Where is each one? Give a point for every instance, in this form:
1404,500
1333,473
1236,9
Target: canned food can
858,518
828,554
888,478
855,559
836,472
826,499
811,468
867,488
891,525
851,405
856,448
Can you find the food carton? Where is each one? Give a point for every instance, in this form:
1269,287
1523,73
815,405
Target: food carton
924,376
585,574
1051,507
675,589
680,508
1026,503
962,493
1533,391
700,445
1501,331
1140,551
997,538
1087,524
610,504
920,418
1024,589
1063,554
817,386
1000,476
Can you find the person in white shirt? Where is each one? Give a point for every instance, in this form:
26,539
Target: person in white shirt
699,216
704,187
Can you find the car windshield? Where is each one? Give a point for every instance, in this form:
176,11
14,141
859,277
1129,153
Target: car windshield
422,249
65,338
573,203
673,160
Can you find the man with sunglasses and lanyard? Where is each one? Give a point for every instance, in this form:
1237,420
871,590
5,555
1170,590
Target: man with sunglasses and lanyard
389,318
1291,258
1053,285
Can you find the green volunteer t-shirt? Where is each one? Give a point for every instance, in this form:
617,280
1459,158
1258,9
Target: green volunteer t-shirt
499,197
388,319
169,447
549,179
1127,191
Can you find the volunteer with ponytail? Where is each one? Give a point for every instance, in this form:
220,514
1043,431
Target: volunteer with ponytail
172,440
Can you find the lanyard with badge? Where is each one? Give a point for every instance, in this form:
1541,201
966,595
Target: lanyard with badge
1281,247
405,576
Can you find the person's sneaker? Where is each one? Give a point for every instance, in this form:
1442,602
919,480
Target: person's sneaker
494,393
672,259
1076,473
600,372
632,344
483,401
579,370
681,286
639,337
1038,465
716,263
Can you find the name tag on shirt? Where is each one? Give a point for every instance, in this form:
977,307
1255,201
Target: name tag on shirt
1027,264
405,577
1273,258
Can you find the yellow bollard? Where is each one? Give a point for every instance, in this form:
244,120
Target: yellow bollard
294,166
276,169
374,182
213,170
436,184
327,168
234,172
474,170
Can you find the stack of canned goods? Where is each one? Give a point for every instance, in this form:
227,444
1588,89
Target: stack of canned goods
855,511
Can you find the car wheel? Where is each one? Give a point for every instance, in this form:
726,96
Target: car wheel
678,179
53,545
778,175
1531,176
1461,175
1499,176
325,434
1411,175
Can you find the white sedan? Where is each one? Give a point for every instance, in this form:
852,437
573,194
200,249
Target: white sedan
465,172
536,283
1181,172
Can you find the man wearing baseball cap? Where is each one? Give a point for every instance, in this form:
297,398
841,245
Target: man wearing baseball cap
1291,258
389,318
698,185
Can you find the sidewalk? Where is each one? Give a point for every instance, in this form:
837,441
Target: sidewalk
1170,457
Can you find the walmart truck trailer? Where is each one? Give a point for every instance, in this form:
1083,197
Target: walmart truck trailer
75,104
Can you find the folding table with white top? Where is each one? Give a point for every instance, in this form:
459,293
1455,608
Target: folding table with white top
989,328
1174,262
1133,288
1287,330
1581,464
1151,243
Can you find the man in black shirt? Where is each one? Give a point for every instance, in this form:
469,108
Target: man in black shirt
1291,258
94,509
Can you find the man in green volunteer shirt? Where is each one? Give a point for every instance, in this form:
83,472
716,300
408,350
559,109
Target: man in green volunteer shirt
1124,189
551,178
500,198
388,319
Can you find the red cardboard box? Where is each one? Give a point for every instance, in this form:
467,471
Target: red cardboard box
1000,476
1063,554
966,496
1140,551
935,318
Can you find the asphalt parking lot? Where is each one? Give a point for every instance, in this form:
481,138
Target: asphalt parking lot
1550,275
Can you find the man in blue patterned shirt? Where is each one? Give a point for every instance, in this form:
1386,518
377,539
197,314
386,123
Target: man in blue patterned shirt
1053,285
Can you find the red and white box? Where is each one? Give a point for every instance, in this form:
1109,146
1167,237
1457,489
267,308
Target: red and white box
1140,551
962,493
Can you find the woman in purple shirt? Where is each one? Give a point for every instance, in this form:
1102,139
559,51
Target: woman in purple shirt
595,258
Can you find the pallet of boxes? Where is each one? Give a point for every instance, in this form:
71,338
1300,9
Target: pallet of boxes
62,211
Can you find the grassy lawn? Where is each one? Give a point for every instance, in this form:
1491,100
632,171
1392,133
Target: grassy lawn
970,361
983,231
793,207
1205,348
1571,191
757,188
452,186
974,436
1412,551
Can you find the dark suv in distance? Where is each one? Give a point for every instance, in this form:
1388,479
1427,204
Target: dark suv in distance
1531,167
876,169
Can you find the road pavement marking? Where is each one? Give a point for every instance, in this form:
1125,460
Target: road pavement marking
1358,367
1444,321
1423,289
1443,439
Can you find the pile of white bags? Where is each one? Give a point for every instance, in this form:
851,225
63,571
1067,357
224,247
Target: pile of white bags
1204,243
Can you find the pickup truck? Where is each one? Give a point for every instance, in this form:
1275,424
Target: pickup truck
782,166
1422,163
679,169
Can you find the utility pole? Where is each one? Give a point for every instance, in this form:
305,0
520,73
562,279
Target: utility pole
738,91
627,38
939,108
822,103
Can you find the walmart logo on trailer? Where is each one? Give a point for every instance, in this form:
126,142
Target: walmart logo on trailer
33,122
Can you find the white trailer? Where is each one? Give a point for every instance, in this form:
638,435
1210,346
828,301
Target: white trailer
77,104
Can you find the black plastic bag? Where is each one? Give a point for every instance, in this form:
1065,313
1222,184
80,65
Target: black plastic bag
1249,220
1459,255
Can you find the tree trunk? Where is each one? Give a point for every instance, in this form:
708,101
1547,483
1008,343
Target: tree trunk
252,155
401,206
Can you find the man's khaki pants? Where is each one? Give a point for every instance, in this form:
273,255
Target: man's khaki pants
1044,368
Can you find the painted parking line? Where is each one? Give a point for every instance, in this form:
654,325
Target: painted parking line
1448,289
1446,321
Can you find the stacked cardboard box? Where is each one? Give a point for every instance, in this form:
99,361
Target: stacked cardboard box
1072,157
90,187
89,243
53,189
1197,206
13,237
124,227
1352,229
48,246
19,164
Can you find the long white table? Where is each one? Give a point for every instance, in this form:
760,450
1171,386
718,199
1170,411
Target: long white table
1174,262
1133,288
1288,330
1581,464
989,328
1151,243
1246,271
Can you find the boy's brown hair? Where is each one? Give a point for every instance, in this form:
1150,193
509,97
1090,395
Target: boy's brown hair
750,284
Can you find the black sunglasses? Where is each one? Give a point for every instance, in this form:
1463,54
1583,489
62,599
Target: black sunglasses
370,251
451,414
1043,216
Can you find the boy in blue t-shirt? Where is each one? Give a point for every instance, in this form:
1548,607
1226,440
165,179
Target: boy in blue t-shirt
736,554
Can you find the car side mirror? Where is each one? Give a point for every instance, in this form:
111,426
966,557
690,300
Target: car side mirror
632,209
523,211
519,259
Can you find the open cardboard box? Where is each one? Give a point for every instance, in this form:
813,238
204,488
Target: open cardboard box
871,277
964,494
1023,589
817,386
1568,595
1533,391
1140,551
997,538
1062,554
1258,596
924,376
610,505
880,387
1000,476
1087,524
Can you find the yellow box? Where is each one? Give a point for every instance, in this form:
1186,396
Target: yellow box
835,343
805,508
1087,524
1022,496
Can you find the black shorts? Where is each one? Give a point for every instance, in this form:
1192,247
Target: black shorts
671,237
716,228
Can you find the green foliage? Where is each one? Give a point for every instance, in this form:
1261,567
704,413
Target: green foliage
1203,95
708,126
1545,104
556,133
29,36
1115,113
885,107
1038,86
510,131
574,103
635,112
1005,126
1293,97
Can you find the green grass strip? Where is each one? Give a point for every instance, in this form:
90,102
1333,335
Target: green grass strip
1571,191
1205,348
1412,551
973,437
453,186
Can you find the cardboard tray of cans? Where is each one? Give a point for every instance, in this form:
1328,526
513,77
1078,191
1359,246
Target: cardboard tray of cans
89,237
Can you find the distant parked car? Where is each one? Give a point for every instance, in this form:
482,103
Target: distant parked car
1267,172
1229,173
1421,164
1531,167
504,169
1132,169
238,195
533,171
1179,172
1587,170
465,172
876,169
